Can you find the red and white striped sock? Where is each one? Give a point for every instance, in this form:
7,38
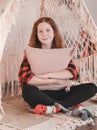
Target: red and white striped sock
43,109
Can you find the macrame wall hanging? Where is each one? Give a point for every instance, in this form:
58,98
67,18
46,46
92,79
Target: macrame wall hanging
76,26
8,13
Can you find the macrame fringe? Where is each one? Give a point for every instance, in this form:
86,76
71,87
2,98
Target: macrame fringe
87,68
9,79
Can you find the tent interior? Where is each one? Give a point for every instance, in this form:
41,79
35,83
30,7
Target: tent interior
77,28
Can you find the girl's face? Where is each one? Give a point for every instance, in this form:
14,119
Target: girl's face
45,34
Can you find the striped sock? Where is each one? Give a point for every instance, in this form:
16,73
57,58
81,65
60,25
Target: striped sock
43,109
77,106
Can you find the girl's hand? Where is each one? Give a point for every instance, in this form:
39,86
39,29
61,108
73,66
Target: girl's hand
60,82
66,83
69,85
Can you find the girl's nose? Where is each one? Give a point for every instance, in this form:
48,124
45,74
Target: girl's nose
44,33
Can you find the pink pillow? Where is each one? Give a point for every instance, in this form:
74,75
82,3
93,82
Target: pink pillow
48,60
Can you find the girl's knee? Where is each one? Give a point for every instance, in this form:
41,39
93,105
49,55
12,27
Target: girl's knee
29,94
92,87
30,87
29,90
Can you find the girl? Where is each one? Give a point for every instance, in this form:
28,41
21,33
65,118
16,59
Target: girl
45,35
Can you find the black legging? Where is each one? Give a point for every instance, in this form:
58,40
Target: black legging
77,94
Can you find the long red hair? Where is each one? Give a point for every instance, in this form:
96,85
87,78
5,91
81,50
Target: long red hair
57,41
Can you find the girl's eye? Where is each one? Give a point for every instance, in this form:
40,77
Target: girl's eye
40,31
47,30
